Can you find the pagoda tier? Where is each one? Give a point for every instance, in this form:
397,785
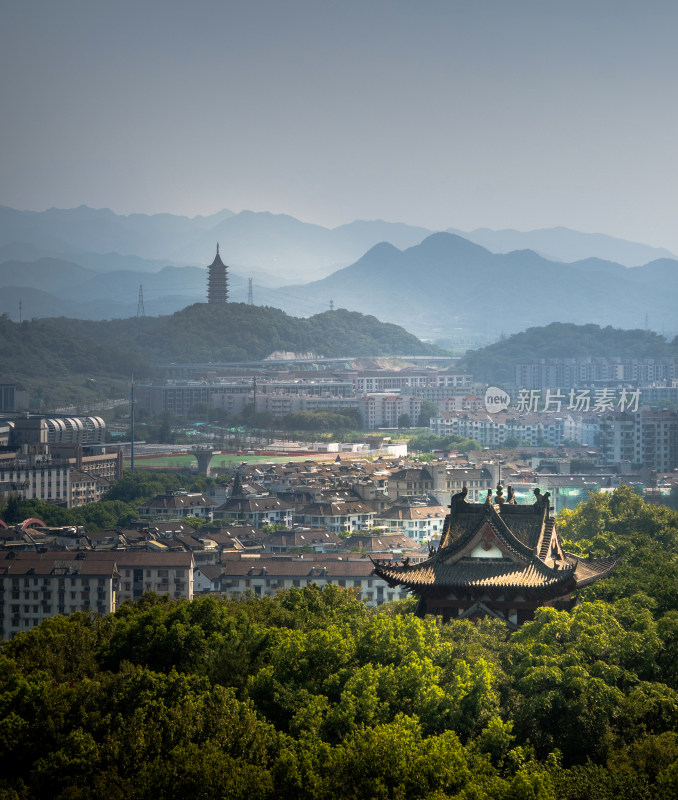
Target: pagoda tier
217,281
496,559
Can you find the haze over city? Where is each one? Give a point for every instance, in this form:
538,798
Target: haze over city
440,114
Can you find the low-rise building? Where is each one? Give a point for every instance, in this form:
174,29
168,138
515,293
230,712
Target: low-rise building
176,505
419,521
337,516
257,511
316,539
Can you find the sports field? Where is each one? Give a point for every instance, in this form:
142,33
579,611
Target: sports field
218,460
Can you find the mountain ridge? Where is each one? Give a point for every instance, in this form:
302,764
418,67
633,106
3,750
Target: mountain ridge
291,250
495,292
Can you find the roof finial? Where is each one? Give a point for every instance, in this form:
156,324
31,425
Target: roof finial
217,248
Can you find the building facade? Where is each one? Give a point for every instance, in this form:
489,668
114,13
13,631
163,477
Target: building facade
37,586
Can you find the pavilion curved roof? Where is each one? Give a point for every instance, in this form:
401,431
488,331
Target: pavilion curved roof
522,537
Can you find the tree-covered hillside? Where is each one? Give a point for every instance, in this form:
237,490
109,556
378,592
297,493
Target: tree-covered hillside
495,363
44,348
311,696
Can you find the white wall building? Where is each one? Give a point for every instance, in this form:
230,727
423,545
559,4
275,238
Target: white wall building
384,410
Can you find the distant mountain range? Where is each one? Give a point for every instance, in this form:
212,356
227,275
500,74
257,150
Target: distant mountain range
564,244
89,264
274,249
448,284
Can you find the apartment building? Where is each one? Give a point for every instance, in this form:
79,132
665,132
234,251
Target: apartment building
232,396
648,437
569,373
36,586
492,430
265,576
163,572
59,473
376,381
384,410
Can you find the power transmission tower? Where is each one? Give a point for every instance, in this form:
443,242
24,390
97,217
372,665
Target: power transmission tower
331,305
140,304
132,402
250,296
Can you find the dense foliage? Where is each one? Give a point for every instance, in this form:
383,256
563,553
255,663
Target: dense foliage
426,442
201,332
495,363
311,695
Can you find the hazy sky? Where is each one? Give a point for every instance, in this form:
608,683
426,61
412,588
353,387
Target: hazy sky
442,113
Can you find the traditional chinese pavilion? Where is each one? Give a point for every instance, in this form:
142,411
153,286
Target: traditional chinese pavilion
496,559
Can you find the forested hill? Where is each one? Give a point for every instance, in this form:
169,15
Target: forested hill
496,362
58,347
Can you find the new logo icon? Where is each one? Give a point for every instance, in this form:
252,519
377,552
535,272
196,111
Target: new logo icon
496,400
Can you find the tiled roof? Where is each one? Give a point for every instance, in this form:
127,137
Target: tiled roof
301,538
476,573
179,501
522,533
406,511
587,571
336,509
412,474
381,542
299,568
55,563
255,505
210,571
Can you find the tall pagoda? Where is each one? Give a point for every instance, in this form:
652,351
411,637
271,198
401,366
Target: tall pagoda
496,559
217,280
